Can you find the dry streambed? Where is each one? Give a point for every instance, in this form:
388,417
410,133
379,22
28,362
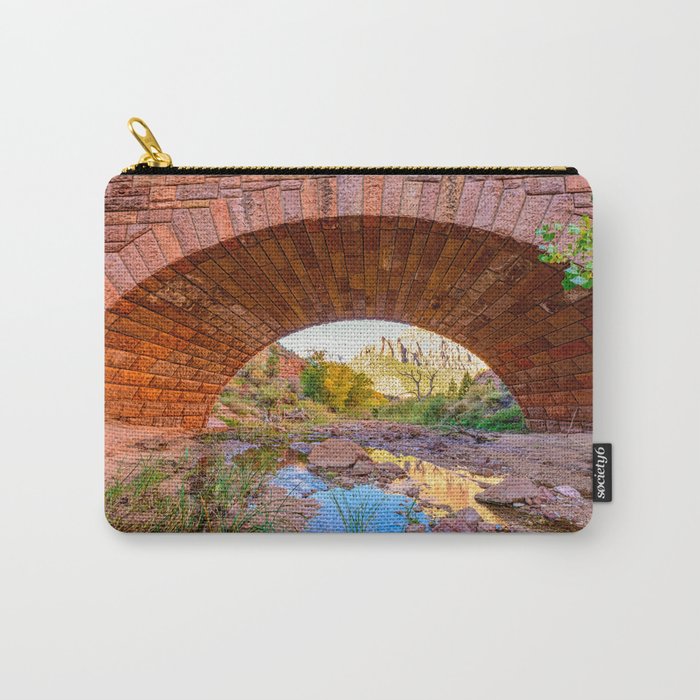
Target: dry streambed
371,475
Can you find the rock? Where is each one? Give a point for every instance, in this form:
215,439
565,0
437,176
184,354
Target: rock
513,489
572,515
466,520
337,453
544,495
406,487
469,515
389,469
303,447
568,491
362,468
414,527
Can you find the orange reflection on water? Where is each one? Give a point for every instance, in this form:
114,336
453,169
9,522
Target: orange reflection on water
443,490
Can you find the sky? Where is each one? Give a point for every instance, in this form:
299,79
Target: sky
342,340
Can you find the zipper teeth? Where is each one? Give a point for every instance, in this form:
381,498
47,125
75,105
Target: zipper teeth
321,169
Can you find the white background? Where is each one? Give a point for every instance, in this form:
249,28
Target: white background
611,88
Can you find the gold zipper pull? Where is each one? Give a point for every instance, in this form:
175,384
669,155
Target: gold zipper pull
154,156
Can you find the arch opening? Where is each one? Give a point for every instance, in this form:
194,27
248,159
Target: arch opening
371,371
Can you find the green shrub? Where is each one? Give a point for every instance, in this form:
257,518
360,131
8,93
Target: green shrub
509,419
434,410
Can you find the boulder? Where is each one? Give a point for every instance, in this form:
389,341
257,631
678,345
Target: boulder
568,492
337,453
513,489
362,468
388,469
406,487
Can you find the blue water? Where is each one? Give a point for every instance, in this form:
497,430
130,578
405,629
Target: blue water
298,481
376,510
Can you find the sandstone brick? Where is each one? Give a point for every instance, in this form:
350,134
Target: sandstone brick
509,209
204,190
488,204
576,183
544,185
577,347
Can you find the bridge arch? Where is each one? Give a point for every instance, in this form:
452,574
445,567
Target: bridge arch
203,272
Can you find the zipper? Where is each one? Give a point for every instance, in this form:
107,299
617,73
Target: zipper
155,161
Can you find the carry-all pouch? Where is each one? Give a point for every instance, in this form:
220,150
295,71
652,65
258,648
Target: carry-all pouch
399,349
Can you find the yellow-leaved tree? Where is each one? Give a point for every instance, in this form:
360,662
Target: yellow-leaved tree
337,382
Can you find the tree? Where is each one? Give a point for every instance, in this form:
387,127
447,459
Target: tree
268,397
272,362
452,389
467,381
575,249
338,382
361,392
420,382
312,378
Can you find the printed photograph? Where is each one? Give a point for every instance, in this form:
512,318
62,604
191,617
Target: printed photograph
371,421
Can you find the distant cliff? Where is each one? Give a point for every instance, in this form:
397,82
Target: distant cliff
391,362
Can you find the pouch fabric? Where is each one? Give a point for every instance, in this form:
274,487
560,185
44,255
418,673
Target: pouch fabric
348,351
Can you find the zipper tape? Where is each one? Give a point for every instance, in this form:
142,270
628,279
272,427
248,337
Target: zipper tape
156,162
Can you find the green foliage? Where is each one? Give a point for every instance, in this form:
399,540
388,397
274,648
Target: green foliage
272,362
434,409
337,385
467,381
509,419
211,496
430,411
356,516
402,411
578,253
361,391
410,513
312,378
483,407
268,397
452,390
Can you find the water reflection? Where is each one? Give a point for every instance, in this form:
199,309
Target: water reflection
364,508
443,490
368,508
299,481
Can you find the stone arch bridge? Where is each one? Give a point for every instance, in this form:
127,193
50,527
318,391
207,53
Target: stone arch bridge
203,272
